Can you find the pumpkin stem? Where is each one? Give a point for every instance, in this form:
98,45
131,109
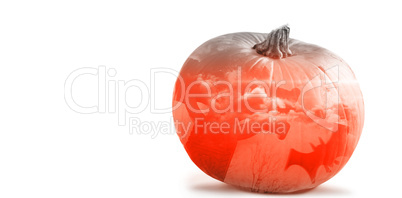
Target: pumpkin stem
276,45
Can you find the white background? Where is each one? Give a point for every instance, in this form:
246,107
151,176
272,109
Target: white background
49,150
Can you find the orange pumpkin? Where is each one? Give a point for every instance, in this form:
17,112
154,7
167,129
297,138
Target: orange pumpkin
267,113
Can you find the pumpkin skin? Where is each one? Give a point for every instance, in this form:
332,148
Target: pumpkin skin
308,107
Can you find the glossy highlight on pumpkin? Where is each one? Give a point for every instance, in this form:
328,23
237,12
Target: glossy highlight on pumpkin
267,124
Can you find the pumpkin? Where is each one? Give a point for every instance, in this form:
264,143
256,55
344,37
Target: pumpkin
267,113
